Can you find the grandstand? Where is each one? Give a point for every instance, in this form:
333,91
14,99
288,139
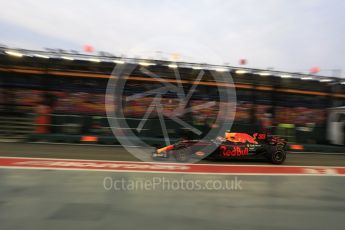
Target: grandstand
72,86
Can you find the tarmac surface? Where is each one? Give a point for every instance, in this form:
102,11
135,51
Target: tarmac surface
64,199
48,199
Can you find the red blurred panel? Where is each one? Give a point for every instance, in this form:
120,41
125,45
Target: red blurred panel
88,48
314,69
243,61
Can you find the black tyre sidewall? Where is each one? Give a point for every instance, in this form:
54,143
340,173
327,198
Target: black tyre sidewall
273,151
182,155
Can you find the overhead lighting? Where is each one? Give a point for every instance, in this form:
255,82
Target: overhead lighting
196,67
221,70
307,78
94,60
173,66
146,63
67,58
241,71
14,53
119,61
264,73
285,76
325,80
42,56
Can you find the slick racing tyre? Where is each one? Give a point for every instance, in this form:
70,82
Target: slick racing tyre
182,155
277,155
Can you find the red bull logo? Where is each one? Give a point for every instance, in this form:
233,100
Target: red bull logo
240,138
235,152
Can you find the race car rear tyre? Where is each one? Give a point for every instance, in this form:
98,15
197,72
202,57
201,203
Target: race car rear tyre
182,155
277,155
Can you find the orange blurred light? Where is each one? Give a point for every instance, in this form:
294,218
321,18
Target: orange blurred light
89,138
296,147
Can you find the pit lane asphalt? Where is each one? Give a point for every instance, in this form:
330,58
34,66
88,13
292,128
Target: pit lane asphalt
118,153
62,199
55,199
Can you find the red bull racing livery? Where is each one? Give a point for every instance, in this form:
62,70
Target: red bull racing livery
231,146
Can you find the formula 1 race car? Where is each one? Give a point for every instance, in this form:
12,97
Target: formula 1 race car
232,146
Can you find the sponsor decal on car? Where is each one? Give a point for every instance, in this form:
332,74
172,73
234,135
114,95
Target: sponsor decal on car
252,147
240,138
235,151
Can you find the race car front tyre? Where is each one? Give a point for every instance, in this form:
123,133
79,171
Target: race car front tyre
182,155
160,156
